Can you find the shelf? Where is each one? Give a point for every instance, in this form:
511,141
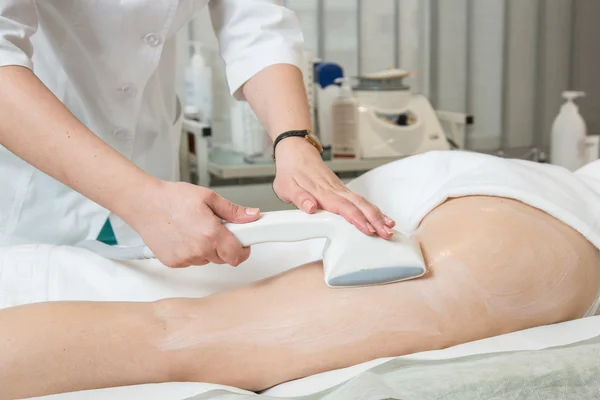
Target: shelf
226,164
229,165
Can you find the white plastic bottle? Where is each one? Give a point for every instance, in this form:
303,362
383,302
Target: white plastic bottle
344,122
199,84
326,99
568,140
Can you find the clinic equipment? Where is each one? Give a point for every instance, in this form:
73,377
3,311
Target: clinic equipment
344,121
326,78
393,121
350,258
568,139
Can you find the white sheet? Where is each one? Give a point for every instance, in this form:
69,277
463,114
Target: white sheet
45,273
531,339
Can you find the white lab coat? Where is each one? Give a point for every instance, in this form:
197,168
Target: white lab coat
113,64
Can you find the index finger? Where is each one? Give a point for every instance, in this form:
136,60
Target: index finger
339,205
372,213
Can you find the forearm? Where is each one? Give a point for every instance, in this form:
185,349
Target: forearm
59,347
278,97
38,128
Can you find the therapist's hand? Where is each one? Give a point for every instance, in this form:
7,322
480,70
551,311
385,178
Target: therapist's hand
303,179
180,223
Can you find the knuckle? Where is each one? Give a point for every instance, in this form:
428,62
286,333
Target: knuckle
345,205
213,231
355,212
196,251
357,199
234,209
230,250
209,196
199,261
174,263
244,255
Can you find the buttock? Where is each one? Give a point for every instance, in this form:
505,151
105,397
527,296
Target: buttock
500,265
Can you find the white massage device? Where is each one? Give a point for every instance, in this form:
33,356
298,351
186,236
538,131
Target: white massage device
392,120
350,258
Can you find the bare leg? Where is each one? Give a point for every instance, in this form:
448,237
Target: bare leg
48,348
496,266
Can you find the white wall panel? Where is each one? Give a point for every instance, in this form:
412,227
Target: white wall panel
486,51
554,67
521,72
450,61
586,75
377,35
306,11
414,44
341,37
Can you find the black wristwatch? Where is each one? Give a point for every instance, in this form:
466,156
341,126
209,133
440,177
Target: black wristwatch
305,133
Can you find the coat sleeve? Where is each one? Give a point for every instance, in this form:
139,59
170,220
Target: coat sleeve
18,22
255,34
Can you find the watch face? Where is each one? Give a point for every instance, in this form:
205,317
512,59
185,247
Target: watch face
314,141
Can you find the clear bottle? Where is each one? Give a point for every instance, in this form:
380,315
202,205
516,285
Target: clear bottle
568,139
344,122
199,84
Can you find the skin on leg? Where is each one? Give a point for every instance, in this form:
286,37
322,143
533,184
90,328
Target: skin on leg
55,347
495,266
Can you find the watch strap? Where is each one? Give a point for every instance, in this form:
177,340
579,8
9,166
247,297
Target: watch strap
305,133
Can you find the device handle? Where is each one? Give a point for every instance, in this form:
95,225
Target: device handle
284,226
274,226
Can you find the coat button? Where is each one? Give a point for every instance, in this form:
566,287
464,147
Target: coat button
122,134
128,90
152,39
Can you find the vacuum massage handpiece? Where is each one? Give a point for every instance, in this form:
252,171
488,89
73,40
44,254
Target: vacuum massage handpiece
350,258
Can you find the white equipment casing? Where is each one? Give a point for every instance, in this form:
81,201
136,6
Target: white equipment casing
382,139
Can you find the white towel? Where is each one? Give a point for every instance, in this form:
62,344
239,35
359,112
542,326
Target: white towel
409,189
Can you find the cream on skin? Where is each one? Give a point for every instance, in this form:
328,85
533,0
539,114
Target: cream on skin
495,266
518,265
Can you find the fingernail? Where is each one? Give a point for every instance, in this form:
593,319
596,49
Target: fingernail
370,227
307,205
388,230
389,222
252,211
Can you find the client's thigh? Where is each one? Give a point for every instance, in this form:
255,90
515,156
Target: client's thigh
498,265
495,266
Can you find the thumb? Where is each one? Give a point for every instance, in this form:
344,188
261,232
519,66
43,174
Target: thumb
231,212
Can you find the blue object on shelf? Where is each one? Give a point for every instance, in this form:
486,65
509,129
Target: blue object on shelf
325,74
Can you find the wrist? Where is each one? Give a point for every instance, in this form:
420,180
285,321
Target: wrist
137,197
291,143
293,148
